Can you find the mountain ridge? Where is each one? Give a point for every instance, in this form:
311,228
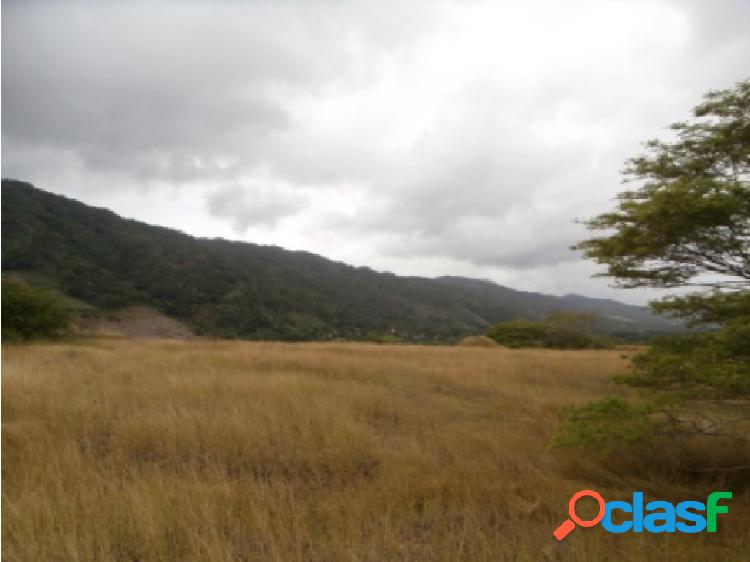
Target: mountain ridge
244,290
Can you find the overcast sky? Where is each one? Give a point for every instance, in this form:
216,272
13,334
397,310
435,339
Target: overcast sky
425,138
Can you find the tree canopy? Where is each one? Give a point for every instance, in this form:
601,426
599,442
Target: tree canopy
689,221
689,225
686,225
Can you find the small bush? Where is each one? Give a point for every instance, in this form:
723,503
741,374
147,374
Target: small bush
384,338
518,333
29,313
606,424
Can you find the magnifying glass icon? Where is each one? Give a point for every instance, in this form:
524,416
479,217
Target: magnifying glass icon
569,524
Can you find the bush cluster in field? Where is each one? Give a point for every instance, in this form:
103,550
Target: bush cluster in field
562,330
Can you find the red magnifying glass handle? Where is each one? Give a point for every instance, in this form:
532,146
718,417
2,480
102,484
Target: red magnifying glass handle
562,531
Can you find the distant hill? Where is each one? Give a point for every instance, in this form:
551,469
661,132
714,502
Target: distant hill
237,289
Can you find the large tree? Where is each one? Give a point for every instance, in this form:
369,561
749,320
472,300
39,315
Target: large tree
686,223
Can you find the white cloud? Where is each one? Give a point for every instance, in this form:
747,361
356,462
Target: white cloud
252,205
424,137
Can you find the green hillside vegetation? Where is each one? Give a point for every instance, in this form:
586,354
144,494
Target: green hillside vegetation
241,290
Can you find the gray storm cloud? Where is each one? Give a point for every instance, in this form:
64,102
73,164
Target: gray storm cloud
472,133
248,205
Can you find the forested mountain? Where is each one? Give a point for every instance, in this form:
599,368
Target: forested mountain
237,289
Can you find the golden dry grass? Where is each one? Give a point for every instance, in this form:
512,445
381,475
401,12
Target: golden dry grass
219,451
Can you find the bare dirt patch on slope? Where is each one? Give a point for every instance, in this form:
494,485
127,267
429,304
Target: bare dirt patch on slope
139,322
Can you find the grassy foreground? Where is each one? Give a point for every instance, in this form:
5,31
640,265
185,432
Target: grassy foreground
218,451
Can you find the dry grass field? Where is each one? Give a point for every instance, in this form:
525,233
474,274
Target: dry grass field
225,451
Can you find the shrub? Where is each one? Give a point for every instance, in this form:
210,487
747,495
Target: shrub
606,424
712,365
29,313
559,330
518,333
384,337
